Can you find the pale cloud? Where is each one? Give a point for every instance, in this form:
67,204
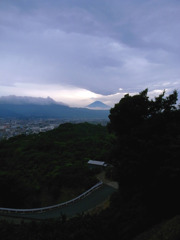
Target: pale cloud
70,95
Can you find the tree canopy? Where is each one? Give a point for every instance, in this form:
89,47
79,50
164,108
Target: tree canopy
147,152
132,111
44,166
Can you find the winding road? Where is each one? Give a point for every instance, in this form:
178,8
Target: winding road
83,205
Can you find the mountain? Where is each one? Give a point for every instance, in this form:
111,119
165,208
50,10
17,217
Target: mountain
98,105
25,107
12,99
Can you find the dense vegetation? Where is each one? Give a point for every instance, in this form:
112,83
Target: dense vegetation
148,151
145,153
35,167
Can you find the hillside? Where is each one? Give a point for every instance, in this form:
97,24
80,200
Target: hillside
169,229
38,170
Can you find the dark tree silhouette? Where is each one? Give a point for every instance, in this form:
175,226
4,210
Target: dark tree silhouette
147,151
132,111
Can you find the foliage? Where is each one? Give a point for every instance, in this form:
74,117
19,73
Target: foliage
147,155
34,164
132,111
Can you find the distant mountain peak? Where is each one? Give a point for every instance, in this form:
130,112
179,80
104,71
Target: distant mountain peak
98,105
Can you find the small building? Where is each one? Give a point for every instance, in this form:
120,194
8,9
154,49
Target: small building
95,164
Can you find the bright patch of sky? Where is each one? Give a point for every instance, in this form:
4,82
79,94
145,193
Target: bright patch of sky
81,51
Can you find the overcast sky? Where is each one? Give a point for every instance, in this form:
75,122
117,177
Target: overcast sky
79,51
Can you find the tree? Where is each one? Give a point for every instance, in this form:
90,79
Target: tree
132,111
147,151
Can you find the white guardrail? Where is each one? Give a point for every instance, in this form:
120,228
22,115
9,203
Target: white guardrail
14,210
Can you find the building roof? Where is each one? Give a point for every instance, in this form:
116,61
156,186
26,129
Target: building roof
98,163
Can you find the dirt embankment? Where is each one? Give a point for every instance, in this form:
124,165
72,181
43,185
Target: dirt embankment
102,177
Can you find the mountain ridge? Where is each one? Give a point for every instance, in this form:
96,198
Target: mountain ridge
20,100
51,111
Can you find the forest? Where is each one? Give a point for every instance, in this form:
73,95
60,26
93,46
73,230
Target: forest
141,141
50,163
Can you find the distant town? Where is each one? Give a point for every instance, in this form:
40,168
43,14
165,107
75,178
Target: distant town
13,127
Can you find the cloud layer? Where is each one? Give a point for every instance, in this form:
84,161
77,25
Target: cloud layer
92,47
